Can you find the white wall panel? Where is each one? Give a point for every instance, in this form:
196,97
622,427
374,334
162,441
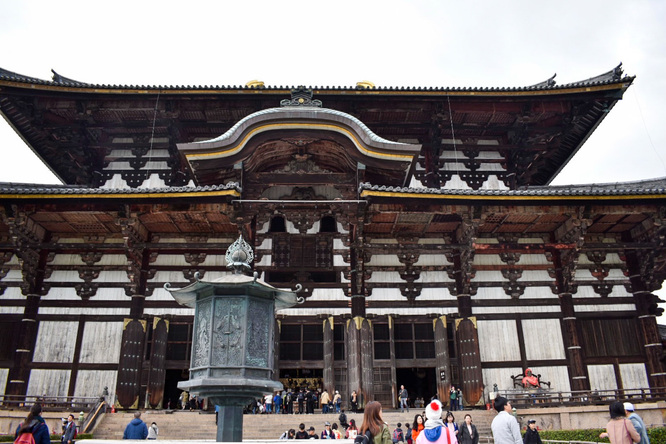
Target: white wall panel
518,309
265,261
169,311
535,276
266,244
55,341
327,294
101,342
4,374
386,294
498,340
602,377
113,276
111,294
13,276
603,308
433,260
172,277
179,260
634,375
585,291
48,382
435,294
557,376
91,383
62,294
500,376
385,276
384,260
434,276
489,276
83,310
543,339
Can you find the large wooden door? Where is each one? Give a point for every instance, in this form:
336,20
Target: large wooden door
157,372
470,360
129,367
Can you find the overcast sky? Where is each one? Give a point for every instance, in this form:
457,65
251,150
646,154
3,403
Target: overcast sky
391,43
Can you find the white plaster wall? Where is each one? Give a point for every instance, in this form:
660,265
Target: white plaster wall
543,339
62,294
602,377
500,376
384,260
517,309
525,259
634,375
432,260
498,341
327,294
179,260
83,310
386,294
111,294
13,293
613,273
170,311
557,376
4,374
13,276
48,382
435,294
385,276
101,342
154,181
603,308
498,293
55,341
91,383
588,292
172,276
433,276
339,261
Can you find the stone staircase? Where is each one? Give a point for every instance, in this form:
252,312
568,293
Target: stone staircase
179,424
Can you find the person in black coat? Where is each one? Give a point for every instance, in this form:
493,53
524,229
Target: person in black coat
531,434
468,433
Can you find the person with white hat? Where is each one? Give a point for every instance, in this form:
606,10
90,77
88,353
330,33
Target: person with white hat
435,432
637,421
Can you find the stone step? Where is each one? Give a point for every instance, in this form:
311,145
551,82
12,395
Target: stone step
199,425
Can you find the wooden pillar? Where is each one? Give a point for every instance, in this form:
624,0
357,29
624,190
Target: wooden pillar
360,359
469,359
328,377
443,368
577,371
26,339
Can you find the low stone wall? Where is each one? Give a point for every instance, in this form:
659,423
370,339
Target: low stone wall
587,417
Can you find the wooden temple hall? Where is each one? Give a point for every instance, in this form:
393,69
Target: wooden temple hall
420,222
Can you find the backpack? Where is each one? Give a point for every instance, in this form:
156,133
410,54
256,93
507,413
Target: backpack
397,435
26,437
365,438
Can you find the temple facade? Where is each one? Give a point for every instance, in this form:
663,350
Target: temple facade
420,222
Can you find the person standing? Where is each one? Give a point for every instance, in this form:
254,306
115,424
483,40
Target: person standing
374,423
184,397
69,433
619,430
435,431
35,424
453,395
461,404
637,421
532,434
468,433
403,395
417,427
505,428
337,401
353,400
153,431
136,429
325,401
301,399
450,423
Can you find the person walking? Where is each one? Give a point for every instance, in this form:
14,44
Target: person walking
436,431
619,430
403,395
637,421
505,428
374,423
136,429
35,424
468,433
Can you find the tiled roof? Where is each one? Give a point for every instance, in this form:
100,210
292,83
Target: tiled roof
610,77
637,188
34,189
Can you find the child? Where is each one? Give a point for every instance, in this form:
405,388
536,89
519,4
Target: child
532,434
408,434
398,436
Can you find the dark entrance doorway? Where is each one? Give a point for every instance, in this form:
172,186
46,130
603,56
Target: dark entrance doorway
419,382
171,390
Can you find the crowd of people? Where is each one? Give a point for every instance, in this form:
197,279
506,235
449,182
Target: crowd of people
434,426
301,401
